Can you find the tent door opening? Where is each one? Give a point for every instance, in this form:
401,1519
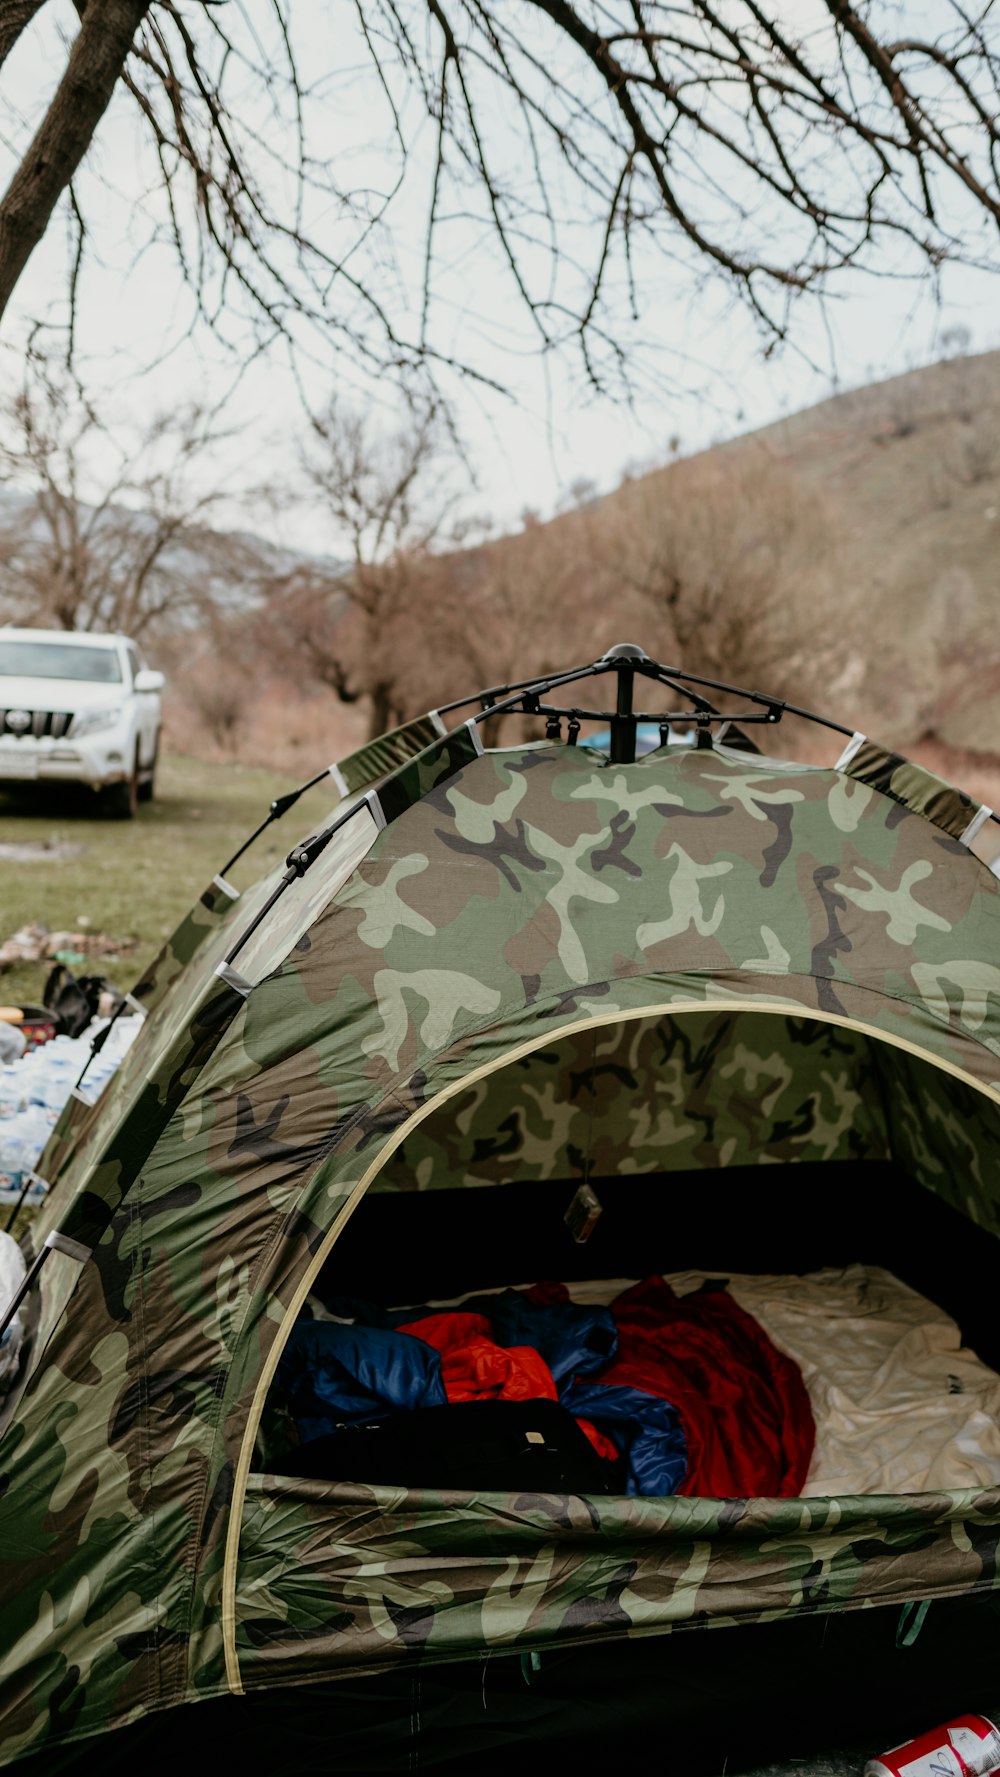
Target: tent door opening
731,1142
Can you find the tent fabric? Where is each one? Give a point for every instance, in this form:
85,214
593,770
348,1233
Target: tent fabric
537,1572
512,900
175,981
153,986
913,787
711,1089
387,753
194,1016
359,771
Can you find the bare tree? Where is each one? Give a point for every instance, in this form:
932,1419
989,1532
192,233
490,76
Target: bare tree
534,602
98,532
391,496
413,618
301,627
213,675
743,574
584,135
723,563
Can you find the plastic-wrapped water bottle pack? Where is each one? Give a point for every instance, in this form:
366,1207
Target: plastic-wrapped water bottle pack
34,1089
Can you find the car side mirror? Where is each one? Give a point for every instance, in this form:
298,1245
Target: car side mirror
149,681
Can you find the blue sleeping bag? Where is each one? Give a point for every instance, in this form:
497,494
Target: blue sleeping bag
335,1375
644,1429
573,1340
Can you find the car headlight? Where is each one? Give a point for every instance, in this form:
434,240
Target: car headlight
92,721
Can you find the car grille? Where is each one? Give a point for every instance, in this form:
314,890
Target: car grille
43,722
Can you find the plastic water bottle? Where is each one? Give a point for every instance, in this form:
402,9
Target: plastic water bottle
10,1091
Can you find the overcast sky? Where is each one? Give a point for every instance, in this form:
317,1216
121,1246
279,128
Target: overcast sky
699,371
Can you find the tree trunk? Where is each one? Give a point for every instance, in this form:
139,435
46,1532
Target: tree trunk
80,101
380,720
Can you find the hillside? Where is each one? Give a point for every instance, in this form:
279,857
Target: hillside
913,466
846,557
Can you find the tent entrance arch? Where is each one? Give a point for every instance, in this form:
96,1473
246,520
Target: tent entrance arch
616,1094
748,1137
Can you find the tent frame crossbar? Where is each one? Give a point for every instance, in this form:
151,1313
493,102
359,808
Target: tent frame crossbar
701,718
626,660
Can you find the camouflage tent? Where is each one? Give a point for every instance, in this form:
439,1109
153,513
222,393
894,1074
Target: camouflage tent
534,964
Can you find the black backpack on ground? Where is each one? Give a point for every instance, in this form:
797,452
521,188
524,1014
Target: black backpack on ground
74,1002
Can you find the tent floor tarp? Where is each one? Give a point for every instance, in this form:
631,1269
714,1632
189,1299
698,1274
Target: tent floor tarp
722,1702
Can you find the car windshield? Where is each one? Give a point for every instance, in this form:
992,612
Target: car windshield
59,660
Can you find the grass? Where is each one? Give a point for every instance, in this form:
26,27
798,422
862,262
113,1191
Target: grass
135,879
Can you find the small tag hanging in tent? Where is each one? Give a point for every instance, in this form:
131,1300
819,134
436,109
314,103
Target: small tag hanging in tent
582,1215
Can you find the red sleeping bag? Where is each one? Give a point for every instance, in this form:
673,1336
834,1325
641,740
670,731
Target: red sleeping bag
743,1405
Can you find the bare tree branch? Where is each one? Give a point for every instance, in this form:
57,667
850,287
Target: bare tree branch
95,535
580,138
15,16
80,101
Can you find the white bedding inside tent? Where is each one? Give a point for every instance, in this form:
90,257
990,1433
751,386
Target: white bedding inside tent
900,1405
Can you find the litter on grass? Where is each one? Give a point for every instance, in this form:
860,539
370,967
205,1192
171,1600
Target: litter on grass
34,943
33,1090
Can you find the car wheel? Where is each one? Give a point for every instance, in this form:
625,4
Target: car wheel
147,782
122,800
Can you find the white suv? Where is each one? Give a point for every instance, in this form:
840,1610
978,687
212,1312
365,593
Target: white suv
79,708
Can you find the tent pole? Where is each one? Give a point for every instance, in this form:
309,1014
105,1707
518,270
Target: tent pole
623,657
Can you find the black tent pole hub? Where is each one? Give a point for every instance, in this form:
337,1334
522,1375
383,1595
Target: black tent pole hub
624,655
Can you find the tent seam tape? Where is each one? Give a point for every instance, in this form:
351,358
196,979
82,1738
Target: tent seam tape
451,1090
